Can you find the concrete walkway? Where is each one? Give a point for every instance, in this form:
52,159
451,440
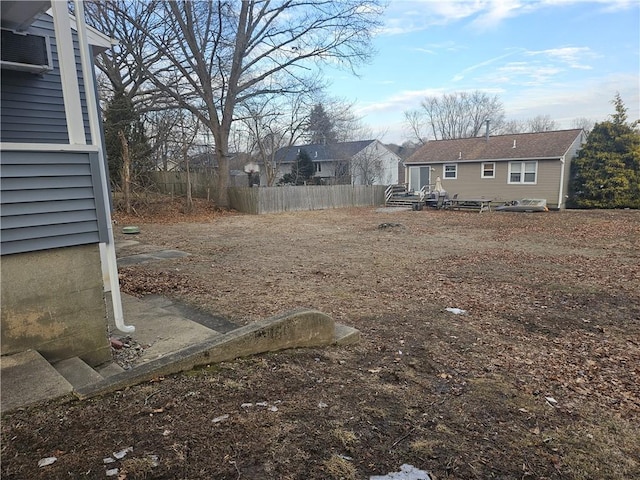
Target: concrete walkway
169,337
165,341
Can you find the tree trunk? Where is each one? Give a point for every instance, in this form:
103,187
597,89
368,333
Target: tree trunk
126,172
189,197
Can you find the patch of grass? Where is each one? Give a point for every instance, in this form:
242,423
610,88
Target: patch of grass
347,438
340,468
202,371
609,449
423,447
138,468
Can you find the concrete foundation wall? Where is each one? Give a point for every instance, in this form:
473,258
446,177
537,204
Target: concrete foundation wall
53,302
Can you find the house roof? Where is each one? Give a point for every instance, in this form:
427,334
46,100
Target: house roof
321,152
541,145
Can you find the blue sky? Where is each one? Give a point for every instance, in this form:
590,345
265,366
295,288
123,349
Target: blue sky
562,58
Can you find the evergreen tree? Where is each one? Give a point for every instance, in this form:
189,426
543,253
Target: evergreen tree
303,169
320,129
606,172
120,115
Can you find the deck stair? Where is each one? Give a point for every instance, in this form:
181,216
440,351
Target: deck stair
400,196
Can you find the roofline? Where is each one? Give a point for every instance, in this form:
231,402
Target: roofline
484,160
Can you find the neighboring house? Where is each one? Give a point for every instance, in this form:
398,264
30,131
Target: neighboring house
58,256
366,162
501,167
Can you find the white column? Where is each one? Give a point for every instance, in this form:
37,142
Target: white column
68,72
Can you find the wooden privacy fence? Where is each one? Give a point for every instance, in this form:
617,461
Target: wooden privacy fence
259,200
175,183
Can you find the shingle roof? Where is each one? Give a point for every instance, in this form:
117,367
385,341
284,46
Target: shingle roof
500,147
334,151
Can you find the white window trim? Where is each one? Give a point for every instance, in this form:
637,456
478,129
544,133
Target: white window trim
482,175
444,171
522,172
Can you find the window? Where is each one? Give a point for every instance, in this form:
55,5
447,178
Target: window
488,170
318,167
523,172
450,171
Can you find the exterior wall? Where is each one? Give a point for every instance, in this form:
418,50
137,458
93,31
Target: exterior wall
471,184
569,156
380,156
50,199
53,302
32,107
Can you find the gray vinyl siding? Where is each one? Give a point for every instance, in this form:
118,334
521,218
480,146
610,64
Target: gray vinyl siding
50,200
32,107
471,184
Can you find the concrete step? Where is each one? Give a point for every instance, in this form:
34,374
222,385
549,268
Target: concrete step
77,373
295,329
28,378
109,369
345,335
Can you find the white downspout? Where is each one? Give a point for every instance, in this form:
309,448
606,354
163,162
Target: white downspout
107,250
561,189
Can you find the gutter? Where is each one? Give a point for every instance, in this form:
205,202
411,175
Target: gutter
476,160
107,250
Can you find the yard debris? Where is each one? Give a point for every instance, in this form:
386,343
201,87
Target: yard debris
384,226
407,472
551,401
44,462
220,418
456,311
112,472
122,453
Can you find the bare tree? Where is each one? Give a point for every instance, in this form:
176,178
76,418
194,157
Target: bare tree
272,122
123,66
583,123
511,127
416,127
367,167
228,52
540,123
455,115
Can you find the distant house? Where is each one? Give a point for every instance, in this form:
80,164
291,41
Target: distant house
501,167
365,162
58,257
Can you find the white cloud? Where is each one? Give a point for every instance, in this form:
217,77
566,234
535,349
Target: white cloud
406,16
572,56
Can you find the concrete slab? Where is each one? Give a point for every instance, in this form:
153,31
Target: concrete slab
27,378
150,257
159,331
126,243
294,329
214,322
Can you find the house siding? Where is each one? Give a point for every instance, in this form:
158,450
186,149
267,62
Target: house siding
50,200
32,107
470,183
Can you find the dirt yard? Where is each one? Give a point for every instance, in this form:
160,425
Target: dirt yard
539,378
